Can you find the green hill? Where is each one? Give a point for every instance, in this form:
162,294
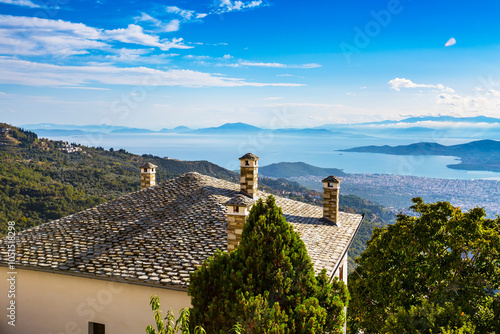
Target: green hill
295,169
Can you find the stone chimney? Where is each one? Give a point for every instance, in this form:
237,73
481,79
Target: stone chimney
238,209
331,187
249,174
148,175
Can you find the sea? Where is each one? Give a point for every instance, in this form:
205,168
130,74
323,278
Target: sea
224,150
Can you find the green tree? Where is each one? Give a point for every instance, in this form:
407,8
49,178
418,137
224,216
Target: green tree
442,262
266,285
169,325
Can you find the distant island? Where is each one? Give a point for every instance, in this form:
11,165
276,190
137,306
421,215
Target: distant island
480,155
296,169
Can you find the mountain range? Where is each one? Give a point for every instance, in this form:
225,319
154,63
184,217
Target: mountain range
225,129
479,127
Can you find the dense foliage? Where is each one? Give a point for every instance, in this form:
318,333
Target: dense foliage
266,285
436,272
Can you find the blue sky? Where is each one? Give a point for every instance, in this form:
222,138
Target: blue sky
271,63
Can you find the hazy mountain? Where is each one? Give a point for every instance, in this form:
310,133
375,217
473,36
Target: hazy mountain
230,128
295,169
103,128
61,132
132,130
479,127
179,129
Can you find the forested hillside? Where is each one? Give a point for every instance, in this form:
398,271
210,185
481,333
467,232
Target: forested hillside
42,180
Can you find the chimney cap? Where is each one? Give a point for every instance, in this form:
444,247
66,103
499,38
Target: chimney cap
240,200
249,156
333,179
148,165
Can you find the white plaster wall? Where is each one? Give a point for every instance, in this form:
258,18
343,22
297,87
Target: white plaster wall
49,303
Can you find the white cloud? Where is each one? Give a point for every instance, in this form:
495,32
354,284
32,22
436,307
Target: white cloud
308,105
169,26
14,71
493,92
230,6
278,65
32,36
24,3
134,34
21,35
229,61
147,18
184,13
450,42
470,105
399,83
128,55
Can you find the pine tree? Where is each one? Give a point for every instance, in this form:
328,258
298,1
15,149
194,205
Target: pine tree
267,285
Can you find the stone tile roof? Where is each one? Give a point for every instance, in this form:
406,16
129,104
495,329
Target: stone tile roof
240,200
249,156
148,165
158,235
332,178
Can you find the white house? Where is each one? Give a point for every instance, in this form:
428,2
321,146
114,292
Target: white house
94,271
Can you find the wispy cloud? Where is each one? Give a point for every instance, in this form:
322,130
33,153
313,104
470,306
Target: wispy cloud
230,61
125,55
162,26
31,36
399,83
14,71
24,3
224,6
184,13
308,105
170,18
468,105
21,35
485,101
278,65
134,34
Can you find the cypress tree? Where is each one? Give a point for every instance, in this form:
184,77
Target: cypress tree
266,285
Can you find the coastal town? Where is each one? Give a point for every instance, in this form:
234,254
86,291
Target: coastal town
396,191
